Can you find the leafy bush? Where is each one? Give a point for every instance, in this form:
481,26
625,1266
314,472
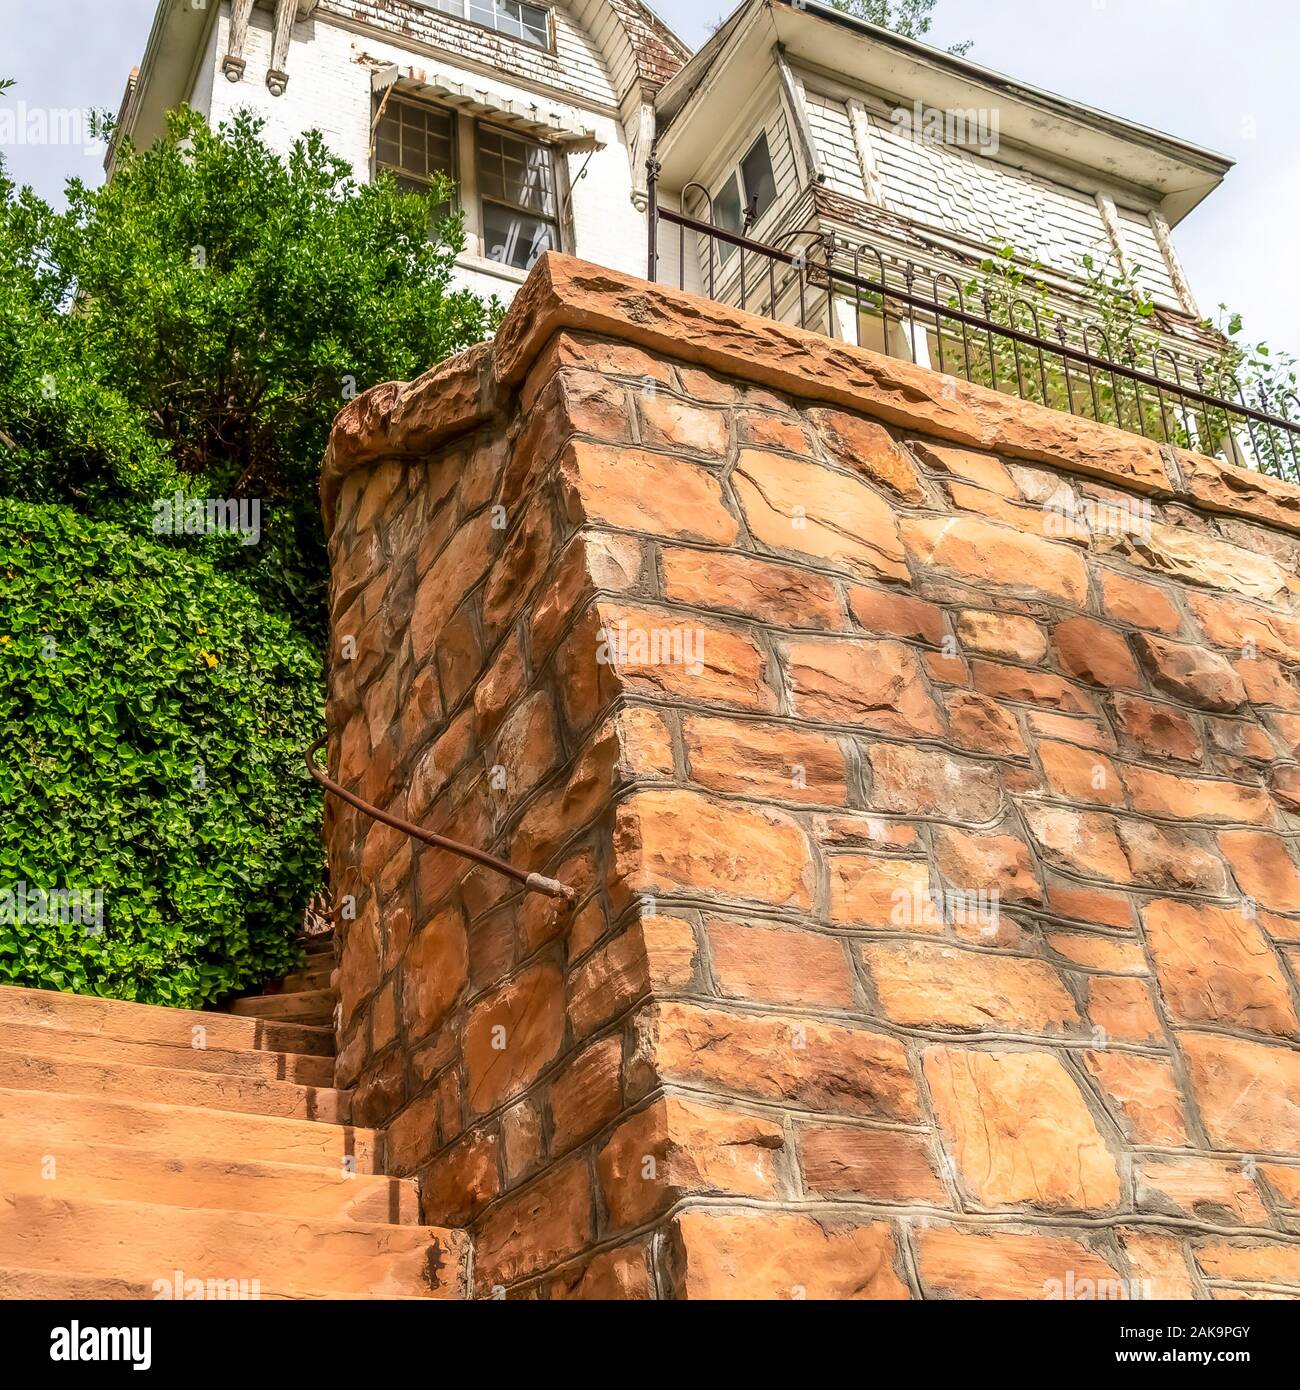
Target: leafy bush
66,432
237,299
194,326
152,717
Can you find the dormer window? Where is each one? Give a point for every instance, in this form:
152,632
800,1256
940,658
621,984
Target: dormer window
517,20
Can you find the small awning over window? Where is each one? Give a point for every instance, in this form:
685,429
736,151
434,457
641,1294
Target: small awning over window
537,120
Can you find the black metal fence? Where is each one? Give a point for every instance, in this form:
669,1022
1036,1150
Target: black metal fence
1141,381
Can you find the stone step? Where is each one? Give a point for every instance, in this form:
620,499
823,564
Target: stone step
45,1040
171,1086
139,1243
113,1172
113,1018
311,1006
314,977
66,1121
41,1284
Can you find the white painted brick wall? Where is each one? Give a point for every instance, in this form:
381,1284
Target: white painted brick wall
328,90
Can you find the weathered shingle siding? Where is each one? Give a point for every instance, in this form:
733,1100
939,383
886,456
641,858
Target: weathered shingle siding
833,136
576,67
988,201
980,198
1146,257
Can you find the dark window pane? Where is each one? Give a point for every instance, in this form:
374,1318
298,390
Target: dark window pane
535,27
415,159
416,140
727,214
760,185
515,238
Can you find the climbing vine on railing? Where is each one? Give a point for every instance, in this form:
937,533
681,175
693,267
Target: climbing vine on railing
1120,322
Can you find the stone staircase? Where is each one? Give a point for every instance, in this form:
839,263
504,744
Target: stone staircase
148,1151
305,997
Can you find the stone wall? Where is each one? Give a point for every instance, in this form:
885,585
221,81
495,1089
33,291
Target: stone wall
925,763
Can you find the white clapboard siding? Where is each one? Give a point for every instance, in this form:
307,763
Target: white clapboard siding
680,255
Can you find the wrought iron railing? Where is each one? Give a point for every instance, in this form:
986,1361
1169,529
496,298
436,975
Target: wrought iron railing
1148,383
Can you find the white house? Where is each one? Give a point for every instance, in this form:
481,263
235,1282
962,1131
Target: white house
543,114
795,125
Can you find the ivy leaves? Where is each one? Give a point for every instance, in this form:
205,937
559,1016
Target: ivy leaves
130,765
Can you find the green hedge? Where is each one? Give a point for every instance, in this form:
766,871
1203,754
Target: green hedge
152,717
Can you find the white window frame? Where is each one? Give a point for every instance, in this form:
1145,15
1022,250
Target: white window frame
553,219
736,170
460,9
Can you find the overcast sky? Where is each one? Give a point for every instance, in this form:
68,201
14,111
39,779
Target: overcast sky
1220,73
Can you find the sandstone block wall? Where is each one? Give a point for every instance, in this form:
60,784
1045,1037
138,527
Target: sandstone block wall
926,766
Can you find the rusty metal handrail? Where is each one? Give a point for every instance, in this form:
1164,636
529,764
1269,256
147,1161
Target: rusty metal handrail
535,883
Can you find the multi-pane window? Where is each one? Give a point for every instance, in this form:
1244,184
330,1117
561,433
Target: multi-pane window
518,202
516,183
746,195
530,23
415,143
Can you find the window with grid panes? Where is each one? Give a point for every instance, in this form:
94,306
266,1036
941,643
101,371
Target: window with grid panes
530,23
516,183
415,142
